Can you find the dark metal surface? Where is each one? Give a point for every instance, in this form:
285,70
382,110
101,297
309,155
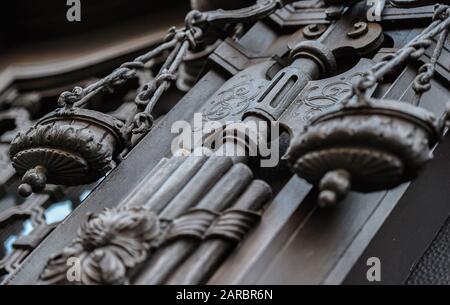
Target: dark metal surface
434,267
360,108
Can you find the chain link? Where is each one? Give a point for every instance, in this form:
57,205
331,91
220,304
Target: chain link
422,82
414,49
152,91
79,96
177,42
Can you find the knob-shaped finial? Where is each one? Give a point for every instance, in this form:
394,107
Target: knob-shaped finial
25,190
334,186
34,180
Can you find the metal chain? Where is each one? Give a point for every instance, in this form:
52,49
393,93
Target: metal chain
186,39
151,92
422,82
414,49
178,42
79,96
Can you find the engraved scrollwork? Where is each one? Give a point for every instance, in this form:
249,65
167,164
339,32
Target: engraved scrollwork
318,97
235,99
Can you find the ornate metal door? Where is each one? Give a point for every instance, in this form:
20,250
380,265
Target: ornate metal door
283,142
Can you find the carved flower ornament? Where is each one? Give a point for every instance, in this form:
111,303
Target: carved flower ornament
108,244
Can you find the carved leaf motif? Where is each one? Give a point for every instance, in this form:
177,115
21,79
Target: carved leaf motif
108,244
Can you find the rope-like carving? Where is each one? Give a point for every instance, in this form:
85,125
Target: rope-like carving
193,224
233,225
106,140
114,241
